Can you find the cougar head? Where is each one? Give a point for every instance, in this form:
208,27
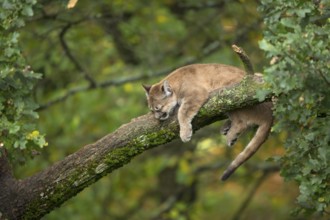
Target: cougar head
162,101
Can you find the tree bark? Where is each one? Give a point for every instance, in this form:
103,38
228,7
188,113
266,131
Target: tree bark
33,197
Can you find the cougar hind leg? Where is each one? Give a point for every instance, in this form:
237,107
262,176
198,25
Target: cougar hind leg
237,127
225,127
260,115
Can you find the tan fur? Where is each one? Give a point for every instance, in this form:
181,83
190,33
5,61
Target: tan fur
240,120
189,87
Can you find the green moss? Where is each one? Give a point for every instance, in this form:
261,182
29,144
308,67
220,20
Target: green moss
228,99
80,179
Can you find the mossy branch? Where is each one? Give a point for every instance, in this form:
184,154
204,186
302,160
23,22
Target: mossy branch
50,188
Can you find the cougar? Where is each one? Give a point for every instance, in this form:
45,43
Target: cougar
189,87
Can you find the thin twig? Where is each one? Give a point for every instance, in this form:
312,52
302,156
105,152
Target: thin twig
323,77
250,196
245,59
67,50
64,97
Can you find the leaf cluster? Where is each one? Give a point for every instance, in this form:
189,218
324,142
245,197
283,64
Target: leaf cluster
17,115
297,43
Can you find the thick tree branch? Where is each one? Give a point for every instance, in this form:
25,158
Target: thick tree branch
39,194
8,184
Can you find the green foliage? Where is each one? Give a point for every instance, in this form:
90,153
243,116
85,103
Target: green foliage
297,43
17,108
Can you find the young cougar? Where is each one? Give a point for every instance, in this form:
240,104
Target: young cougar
189,87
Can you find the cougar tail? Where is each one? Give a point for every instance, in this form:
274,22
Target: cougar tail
255,143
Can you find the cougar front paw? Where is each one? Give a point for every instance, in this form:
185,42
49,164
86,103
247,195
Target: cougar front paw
185,134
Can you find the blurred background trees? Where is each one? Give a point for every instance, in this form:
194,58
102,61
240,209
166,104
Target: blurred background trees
91,61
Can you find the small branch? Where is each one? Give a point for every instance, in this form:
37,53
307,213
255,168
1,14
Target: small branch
323,77
245,59
64,97
252,167
201,6
250,196
320,18
164,207
67,50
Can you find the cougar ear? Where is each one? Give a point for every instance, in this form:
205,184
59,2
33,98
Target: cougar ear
147,89
166,88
